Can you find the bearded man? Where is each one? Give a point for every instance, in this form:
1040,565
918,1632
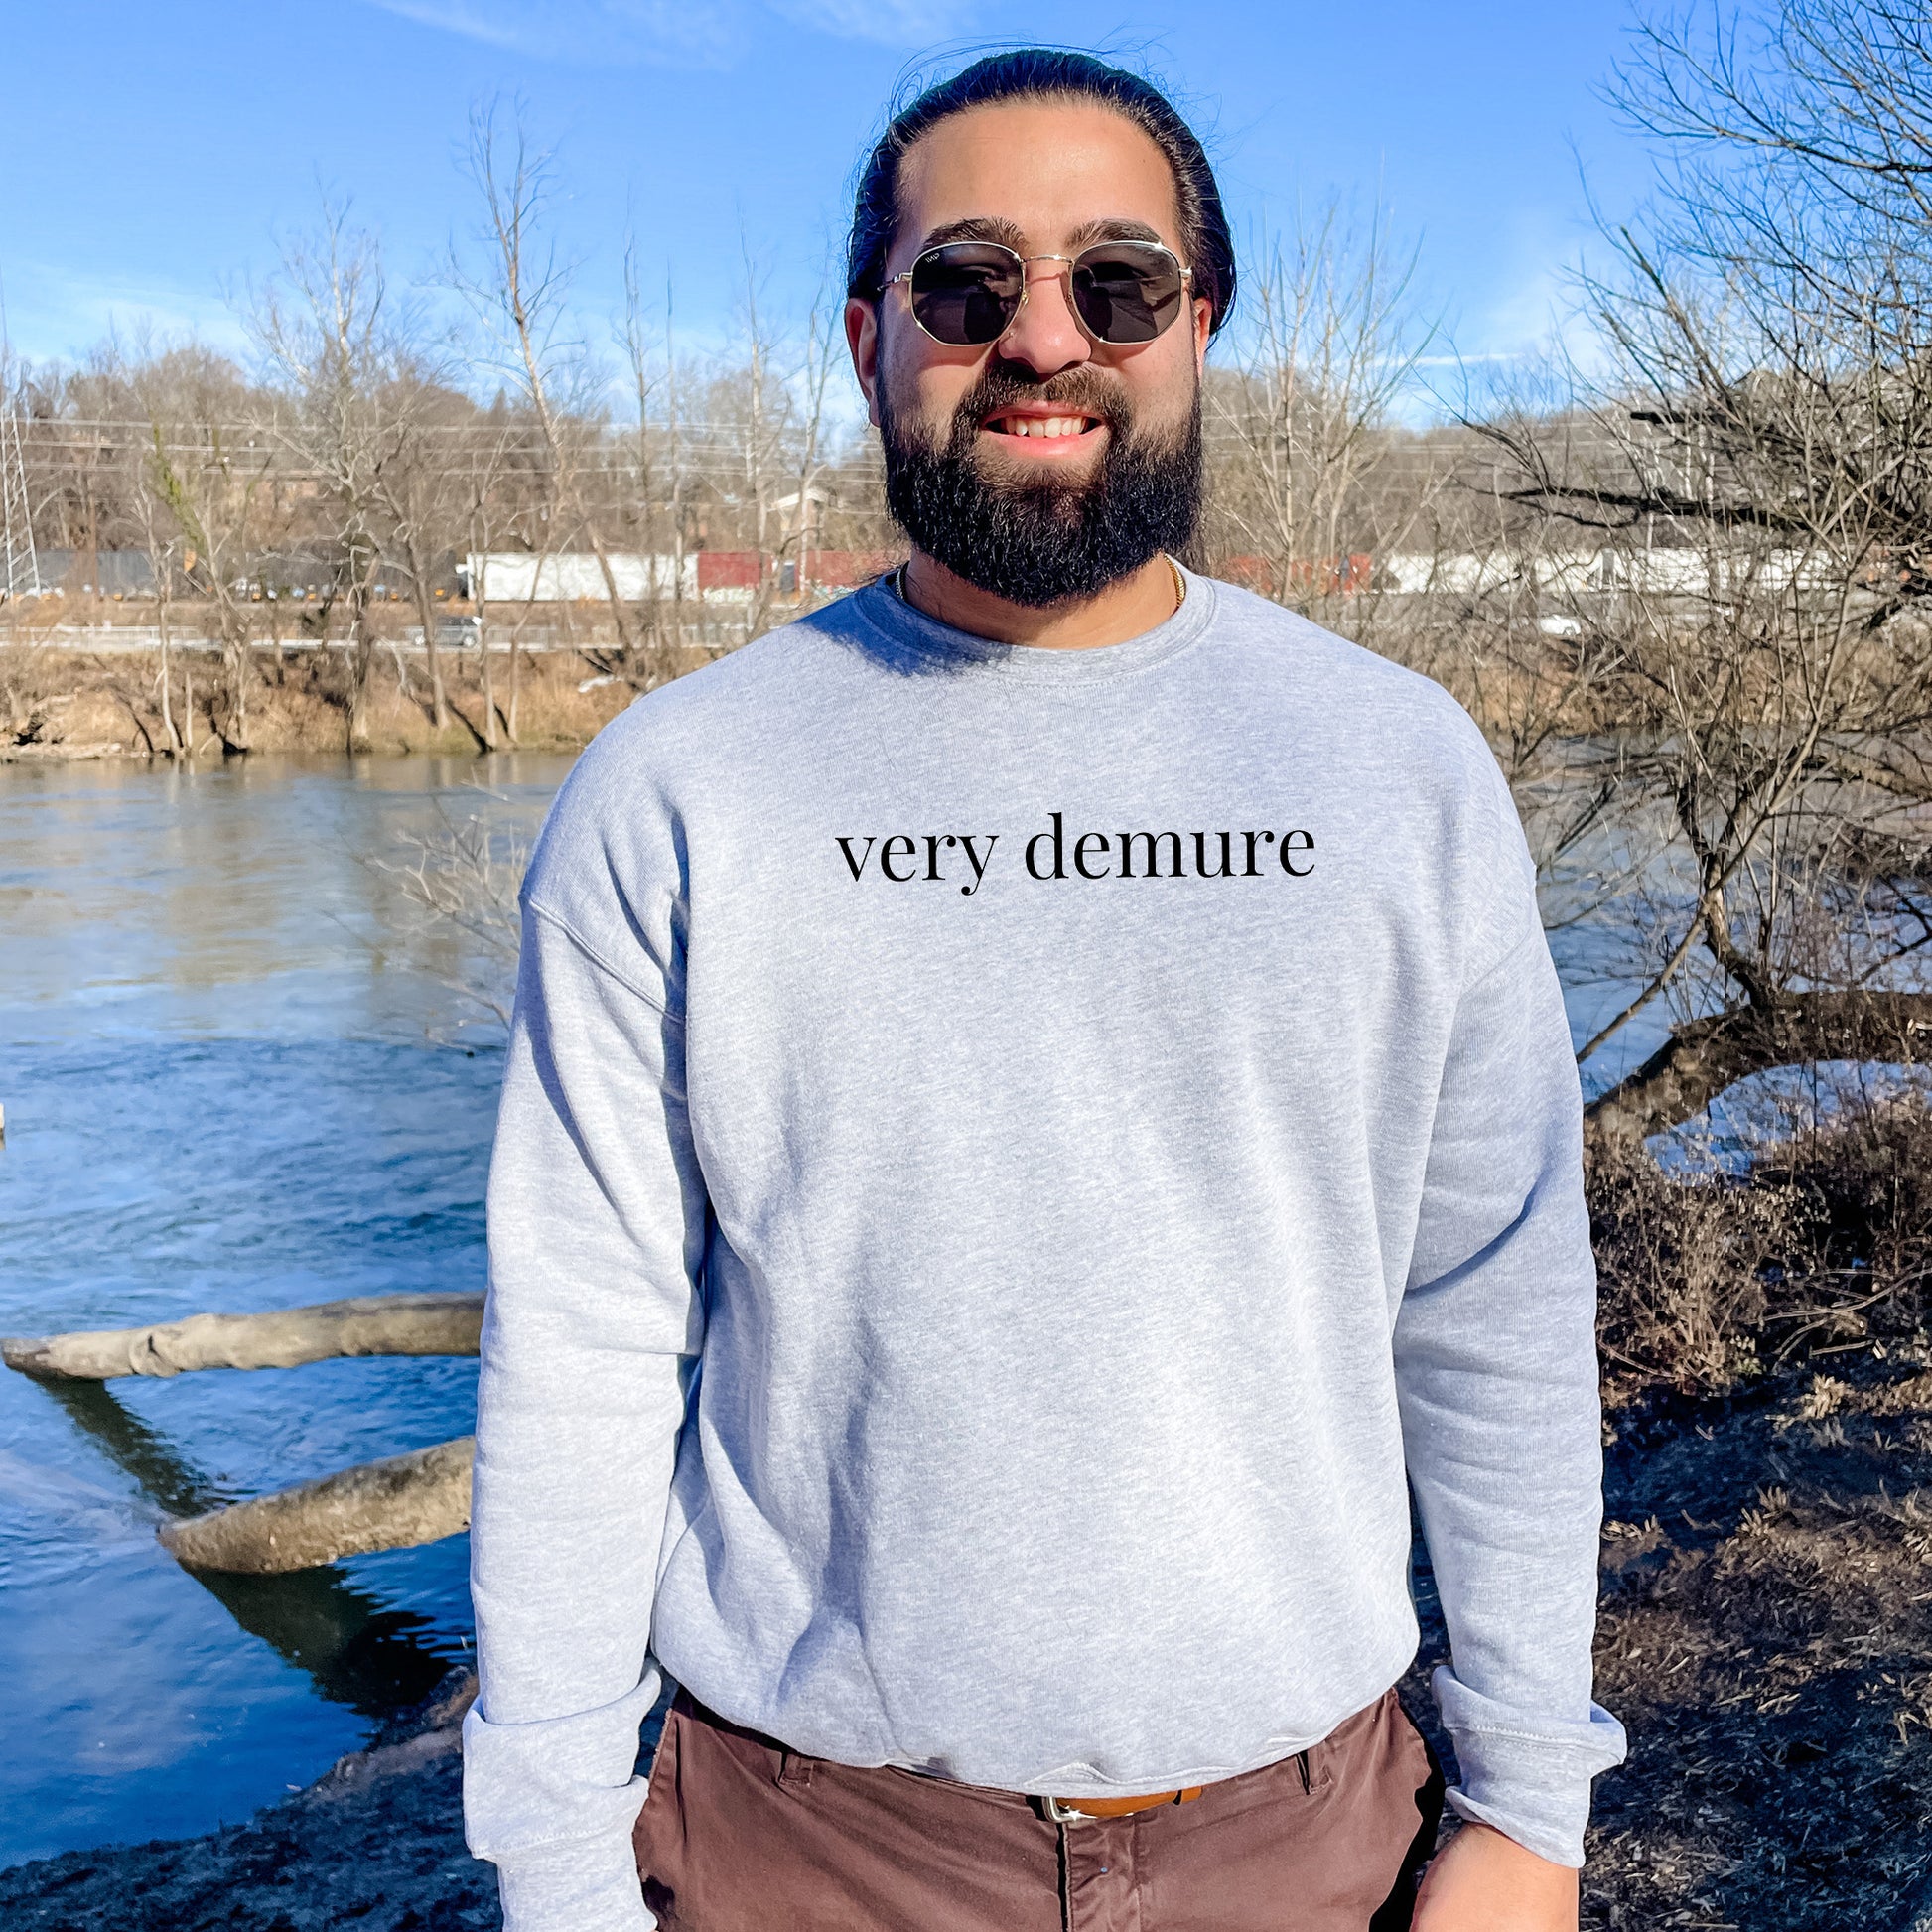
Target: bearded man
1039,1114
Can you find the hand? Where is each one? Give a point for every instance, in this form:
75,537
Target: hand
1483,1881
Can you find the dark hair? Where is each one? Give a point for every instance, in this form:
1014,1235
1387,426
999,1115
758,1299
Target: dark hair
1045,73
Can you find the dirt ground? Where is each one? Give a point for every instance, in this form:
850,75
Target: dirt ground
1766,1638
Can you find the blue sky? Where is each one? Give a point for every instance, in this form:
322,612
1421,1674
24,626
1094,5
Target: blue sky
153,152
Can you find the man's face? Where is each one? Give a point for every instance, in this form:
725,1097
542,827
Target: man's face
1033,517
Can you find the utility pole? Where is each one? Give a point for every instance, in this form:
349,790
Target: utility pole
20,570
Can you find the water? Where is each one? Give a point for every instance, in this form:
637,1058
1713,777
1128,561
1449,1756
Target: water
224,1089
221,1066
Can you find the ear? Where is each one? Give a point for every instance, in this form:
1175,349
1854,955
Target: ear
1203,319
862,338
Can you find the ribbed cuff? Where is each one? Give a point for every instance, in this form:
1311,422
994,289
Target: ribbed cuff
1529,1780
585,1884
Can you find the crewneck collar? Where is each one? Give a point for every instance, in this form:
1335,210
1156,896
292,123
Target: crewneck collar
904,625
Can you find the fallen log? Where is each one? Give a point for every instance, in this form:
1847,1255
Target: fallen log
1703,1057
365,1325
388,1505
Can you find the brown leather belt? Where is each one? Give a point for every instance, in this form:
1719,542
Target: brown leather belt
1080,1811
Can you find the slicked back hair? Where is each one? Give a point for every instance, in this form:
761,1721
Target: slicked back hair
1046,73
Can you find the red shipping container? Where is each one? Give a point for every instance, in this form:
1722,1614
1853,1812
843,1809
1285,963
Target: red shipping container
840,570
728,570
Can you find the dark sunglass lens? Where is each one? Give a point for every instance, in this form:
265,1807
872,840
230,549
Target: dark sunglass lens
966,292
1127,294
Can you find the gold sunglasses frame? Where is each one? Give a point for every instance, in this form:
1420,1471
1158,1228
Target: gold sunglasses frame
1026,282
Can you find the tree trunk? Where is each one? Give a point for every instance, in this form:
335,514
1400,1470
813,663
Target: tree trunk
426,610
361,654
400,1501
167,694
366,1324
1704,1057
488,688
233,620
238,733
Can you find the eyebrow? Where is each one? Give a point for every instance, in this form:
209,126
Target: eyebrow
1112,227
977,227
992,228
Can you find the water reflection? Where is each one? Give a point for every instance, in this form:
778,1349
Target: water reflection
236,899
355,1652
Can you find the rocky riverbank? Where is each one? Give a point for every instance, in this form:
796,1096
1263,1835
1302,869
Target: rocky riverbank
376,1844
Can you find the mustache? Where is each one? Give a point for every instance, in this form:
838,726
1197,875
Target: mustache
1084,391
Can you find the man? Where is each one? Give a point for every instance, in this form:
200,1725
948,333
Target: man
1038,1098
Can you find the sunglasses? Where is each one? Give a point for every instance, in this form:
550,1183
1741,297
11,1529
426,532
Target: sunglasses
966,294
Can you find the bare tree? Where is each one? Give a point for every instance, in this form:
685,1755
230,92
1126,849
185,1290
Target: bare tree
459,884
161,536
1756,490
658,464
320,328
363,400
207,472
520,296
1302,419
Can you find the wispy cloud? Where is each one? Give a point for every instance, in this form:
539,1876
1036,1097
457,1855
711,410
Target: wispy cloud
682,33
895,23
55,313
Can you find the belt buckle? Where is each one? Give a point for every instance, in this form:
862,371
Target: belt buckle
1060,1814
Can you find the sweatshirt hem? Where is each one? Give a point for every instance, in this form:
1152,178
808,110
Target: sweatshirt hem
1079,1780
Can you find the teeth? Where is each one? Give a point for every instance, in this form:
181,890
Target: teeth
1044,425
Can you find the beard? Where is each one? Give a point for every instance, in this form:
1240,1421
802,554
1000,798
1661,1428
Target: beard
1052,541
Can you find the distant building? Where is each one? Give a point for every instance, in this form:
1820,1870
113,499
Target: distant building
103,573
727,576
517,577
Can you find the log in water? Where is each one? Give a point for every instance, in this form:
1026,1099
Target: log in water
365,1325
402,1500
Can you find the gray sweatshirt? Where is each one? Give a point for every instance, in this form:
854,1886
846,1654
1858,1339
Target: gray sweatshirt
1012,1163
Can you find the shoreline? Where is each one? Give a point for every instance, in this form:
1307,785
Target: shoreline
375,1842
65,706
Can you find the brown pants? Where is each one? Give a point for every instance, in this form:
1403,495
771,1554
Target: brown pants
740,1835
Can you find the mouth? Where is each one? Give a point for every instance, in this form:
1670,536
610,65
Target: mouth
1043,432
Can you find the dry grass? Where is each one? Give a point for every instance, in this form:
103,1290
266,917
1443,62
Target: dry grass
61,703
1766,1629
1709,1280
1766,1636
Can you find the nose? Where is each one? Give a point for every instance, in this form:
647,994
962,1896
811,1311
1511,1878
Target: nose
1045,335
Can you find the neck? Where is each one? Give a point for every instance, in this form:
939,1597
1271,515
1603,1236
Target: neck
1129,607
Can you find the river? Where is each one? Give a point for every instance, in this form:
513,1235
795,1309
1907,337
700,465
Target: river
225,1087
232,1079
